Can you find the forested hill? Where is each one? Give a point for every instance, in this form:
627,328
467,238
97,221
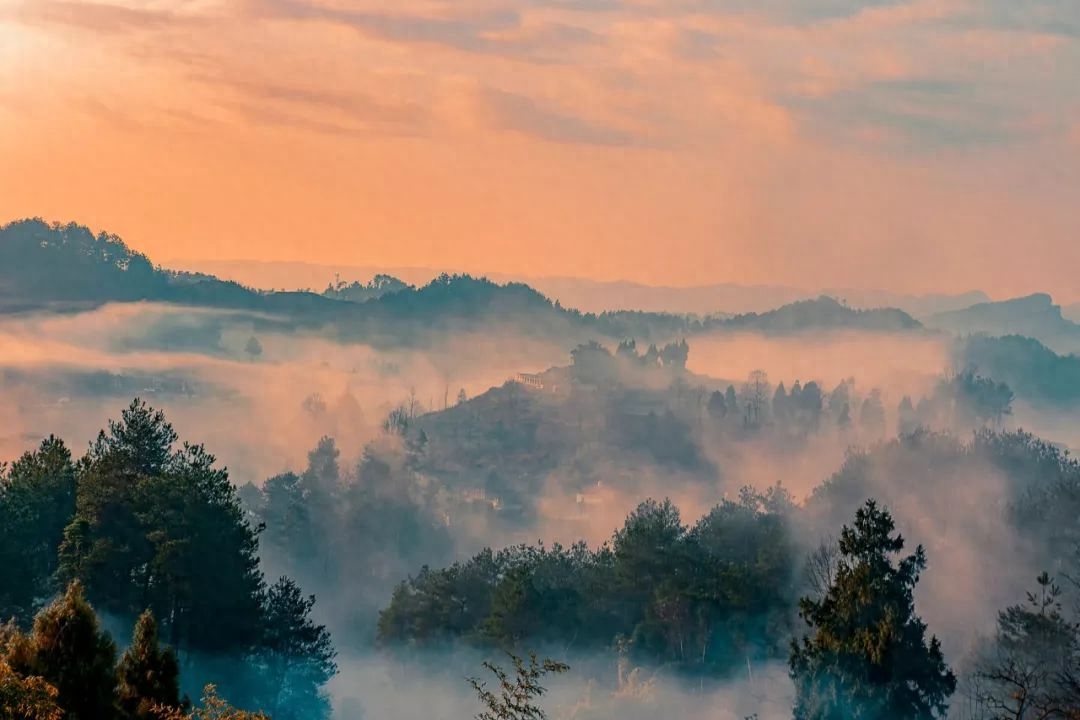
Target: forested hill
69,267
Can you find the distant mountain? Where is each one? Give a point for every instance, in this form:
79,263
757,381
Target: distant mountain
822,313
67,266
1035,316
587,295
1035,372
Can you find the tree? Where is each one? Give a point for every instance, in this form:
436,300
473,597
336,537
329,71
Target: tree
296,654
675,355
867,655
162,528
68,649
517,697
756,392
780,403
37,500
462,397
253,348
28,698
213,708
1026,676
731,401
717,406
148,676
872,415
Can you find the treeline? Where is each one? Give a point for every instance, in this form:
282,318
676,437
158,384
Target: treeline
143,524
959,400
699,598
350,533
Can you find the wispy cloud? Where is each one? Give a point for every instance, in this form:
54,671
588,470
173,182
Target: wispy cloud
508,111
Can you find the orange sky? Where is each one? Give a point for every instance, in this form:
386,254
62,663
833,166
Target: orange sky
908,145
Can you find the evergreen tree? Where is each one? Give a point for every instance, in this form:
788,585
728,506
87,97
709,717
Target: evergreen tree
297,655
37,500
867,656
148,675
162,529
68,649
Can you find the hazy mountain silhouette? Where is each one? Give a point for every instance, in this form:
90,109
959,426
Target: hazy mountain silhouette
1034,316
67,266
594,296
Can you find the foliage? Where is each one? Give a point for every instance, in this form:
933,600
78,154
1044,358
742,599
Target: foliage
867,655
148,676
68,649
296,655
695,598
37,500
516,697
213,708
1030,672
161,528
29,698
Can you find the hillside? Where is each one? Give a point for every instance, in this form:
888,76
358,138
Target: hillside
1034,371
824,313
1034,316
67,266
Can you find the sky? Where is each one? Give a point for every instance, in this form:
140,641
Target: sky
908,145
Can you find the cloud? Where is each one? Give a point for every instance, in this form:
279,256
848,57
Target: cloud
263,102
512,112
925,114
98,17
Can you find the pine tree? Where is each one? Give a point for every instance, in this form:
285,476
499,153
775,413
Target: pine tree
297,655
68,649
37,500
148,675
867,656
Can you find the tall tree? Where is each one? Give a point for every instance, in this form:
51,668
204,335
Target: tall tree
867,655
69,650
297,655
148,676
37,500
162,528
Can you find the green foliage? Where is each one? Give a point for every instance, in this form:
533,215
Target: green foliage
37,500
867,655
148,676
694,598
160,527
68,649
296,656
516,697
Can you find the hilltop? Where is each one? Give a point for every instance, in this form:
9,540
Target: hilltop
53,266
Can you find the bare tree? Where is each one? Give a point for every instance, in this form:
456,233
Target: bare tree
820,570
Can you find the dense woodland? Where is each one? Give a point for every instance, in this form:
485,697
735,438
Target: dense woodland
149,533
